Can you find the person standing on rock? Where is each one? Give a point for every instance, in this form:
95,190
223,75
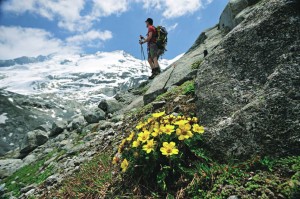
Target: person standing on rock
152,48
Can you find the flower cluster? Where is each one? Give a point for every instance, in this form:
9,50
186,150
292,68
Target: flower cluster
160,135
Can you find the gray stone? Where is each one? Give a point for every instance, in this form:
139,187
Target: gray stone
233,197
29,159
192,100
58,127
110,105
94,116
136,103
117,118
51,180
32,140
157,87
44,127
105,125
28,188
92,127
9,166
247,89
77,122
103,105
158,105
30,193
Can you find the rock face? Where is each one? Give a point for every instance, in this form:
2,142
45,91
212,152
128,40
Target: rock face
248,89
232,16
182,70
20,114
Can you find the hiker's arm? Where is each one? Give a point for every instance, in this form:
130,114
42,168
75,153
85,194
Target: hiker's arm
148,38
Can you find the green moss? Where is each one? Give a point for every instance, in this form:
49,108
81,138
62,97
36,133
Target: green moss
189,88
29,174
196,64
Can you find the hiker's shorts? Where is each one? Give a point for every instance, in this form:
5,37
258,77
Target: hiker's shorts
152,51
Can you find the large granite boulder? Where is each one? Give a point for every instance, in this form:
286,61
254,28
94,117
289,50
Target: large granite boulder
32,140
110,105
248,89
58,127
94,116
9,166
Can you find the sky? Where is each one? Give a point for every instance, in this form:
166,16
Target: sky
43,27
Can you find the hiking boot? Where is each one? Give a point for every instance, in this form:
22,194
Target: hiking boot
158,70
153,76
155,72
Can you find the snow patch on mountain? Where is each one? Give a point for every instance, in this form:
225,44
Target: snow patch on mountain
78,77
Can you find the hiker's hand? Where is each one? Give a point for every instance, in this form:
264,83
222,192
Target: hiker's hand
141,42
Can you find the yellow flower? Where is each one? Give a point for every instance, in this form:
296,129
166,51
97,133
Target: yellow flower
181,122
169,149
183,134
130,136
149,146
115,160
122,145
198,129
136,144
156,125
162,128
195,120
144,136
150,120
155,132
157,115
124,165
140,126
169,129
186,127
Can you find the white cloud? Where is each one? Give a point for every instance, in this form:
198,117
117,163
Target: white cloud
175,8
90,37
171,28
109,7
67,11
17,41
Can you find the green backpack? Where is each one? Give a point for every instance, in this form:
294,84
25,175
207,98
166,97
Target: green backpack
161,38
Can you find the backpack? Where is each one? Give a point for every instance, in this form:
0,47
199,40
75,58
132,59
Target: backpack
161,38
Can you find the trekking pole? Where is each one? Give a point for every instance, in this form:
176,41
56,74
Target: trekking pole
143,53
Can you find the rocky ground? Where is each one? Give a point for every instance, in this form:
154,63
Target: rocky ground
246,94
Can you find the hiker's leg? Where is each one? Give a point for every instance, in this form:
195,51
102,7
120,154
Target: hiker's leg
156,64
150,61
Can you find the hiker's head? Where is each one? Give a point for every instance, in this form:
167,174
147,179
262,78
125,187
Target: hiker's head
149,22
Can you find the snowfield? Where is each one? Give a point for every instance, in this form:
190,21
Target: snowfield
78,77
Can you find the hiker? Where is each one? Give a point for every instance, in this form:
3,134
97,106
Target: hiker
152,48
205,52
